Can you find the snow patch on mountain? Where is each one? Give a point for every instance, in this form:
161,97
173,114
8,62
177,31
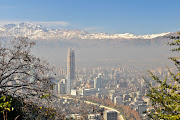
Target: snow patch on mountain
34,31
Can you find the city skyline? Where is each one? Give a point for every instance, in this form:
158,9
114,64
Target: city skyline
89,59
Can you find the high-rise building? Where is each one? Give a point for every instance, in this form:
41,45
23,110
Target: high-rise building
61,88
70,70
98,81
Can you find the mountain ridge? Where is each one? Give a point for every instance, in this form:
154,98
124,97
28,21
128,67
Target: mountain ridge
35,31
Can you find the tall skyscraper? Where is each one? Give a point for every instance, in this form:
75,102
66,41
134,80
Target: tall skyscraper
98,81
70,70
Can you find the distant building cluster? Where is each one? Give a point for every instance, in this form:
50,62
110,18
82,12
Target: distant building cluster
123,84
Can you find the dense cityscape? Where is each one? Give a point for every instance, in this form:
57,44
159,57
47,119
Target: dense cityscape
122,85
89,60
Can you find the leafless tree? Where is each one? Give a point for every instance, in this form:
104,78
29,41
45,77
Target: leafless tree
21,73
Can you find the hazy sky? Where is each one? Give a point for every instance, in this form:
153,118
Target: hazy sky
111,16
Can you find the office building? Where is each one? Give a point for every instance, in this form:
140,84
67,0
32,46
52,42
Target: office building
110,115
88,92
98,81
70,70
61,88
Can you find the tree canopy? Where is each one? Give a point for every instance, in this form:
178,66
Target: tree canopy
21,73
165,97
24,80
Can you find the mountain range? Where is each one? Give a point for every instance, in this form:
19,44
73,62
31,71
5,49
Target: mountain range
79,37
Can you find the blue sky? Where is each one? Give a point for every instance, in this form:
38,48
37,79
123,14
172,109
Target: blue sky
111,16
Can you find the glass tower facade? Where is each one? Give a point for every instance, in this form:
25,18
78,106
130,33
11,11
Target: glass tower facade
70,70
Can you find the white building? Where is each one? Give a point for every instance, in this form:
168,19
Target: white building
73,92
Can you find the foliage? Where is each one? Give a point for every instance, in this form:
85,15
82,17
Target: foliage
165,97
5,105
33,111
23,79
11,108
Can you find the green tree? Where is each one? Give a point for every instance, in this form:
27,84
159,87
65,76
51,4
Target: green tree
165,97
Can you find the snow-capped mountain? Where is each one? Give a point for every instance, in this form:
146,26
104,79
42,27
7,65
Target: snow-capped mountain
34,31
